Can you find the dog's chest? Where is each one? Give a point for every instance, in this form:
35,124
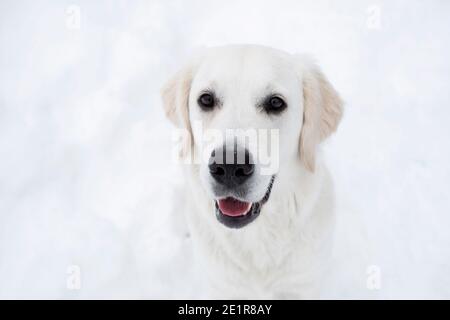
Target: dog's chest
263,268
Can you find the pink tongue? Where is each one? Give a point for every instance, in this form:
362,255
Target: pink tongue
233,207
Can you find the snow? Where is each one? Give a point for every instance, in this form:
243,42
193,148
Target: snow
84,176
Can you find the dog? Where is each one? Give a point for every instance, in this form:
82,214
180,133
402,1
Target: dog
259,235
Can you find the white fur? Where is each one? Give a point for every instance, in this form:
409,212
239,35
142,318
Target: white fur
284,252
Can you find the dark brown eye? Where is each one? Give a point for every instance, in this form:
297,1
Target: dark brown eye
274,104
206,101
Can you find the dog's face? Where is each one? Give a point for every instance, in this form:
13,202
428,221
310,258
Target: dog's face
250,112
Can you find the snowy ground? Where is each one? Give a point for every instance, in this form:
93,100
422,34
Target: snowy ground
85,187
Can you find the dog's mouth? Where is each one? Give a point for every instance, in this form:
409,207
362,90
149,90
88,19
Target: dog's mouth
235,213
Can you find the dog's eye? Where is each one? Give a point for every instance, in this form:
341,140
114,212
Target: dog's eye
206,101
274,104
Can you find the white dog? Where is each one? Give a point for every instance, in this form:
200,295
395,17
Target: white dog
261,234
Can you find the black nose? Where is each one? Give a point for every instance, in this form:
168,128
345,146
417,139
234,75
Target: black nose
231,168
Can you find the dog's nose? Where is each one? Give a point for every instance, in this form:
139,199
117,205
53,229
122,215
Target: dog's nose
231,168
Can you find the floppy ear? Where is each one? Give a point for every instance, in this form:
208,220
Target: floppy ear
322,111
175,96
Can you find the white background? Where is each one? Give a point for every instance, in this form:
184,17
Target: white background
85,179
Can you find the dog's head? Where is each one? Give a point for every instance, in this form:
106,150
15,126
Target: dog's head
250,112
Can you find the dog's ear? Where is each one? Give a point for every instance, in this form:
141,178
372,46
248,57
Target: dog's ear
322,110
175,96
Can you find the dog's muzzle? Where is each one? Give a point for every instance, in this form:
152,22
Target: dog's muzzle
231,171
